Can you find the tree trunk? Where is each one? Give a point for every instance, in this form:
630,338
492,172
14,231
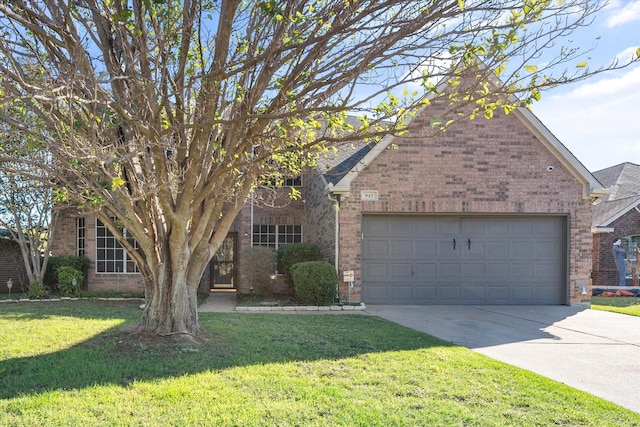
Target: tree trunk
171,307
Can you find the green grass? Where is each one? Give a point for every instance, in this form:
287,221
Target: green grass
624,305
69,363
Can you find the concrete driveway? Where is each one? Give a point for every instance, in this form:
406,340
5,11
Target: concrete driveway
594,351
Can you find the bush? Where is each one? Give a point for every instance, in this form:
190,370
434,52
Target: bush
36,290
66,275
257,267
315,282
294,253
79,263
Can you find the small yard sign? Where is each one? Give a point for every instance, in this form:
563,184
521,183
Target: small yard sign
348,276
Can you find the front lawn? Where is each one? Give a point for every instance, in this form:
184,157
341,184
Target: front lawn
70,363
624,305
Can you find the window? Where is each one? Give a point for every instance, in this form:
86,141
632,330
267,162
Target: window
81,236
110,256
293,182
275,235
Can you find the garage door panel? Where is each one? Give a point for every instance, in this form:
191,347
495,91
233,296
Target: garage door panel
521,227
473,227
522,249
376,294
497,272
450,294
373,249
425,249
425,226
401,271
474,272
376,226
546,250
425,294
448,226
425,271
497,249
449,271
521,294
402,294
498,228
520,272
401,227
500,294
511,260
375,271
447,249
401,249
474,249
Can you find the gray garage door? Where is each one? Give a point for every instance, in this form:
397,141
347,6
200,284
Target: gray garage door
463,260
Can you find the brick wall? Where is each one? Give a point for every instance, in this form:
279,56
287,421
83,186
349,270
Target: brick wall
605,272
480,166
268,208
12,267
320,213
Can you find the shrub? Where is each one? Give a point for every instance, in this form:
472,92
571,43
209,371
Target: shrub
36,290
80,263
257,268
315,282
66,275
295,253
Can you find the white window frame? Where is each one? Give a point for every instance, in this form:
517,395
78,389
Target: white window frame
275,235
113,253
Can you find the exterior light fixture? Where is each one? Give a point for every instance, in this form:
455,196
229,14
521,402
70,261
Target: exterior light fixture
9,286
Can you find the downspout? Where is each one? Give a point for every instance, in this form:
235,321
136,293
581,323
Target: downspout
336,249
251,221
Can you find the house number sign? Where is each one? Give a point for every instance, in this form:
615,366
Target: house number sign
369,195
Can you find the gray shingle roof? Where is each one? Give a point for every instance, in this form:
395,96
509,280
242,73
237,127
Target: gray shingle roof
624,181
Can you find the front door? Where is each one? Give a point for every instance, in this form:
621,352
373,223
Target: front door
223,265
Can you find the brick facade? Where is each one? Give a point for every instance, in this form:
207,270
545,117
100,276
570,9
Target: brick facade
605,272
12,267
494,166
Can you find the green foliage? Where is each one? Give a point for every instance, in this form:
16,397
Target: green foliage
315,282
257,268
77,262
66,275
36,290
294,253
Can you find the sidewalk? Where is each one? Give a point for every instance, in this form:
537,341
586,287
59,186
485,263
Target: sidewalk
219,302
225,302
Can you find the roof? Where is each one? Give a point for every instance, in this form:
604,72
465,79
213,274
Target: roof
624,182
360,156
592,188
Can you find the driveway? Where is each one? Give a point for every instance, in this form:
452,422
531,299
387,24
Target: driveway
594,351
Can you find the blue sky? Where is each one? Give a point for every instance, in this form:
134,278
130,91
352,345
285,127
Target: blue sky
598,119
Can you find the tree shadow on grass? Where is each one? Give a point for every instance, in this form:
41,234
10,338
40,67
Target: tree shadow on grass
117,357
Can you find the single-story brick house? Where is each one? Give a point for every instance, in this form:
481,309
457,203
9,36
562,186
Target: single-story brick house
488,212
618,216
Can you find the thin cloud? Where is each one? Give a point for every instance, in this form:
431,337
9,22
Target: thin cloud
621,13
597,120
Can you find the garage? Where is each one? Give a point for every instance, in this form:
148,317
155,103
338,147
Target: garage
418,259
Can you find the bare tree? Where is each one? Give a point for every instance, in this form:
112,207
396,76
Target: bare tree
26,200
164,115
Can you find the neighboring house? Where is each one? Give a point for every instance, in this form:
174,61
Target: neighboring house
11,265
618,216
489,212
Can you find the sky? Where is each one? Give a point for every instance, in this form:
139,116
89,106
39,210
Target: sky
598,119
